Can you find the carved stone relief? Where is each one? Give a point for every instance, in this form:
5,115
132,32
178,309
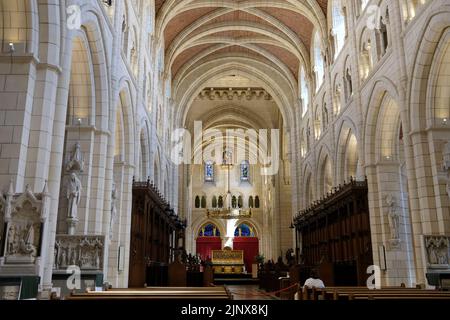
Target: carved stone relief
23,235
24,215
437,251
86,252
230,94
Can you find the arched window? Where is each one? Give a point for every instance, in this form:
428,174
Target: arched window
233,202
244,230
214,202
349,83
383,33
304,92
220,202
257,202
337,99
325,118
317,124
318,60
197,202
338,27
209,230
240,202
209,171
250,202
203,202
245,171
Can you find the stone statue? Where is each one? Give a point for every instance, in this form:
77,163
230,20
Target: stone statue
113,209
73,195
76,162
56,254
27,243
394,217
11,247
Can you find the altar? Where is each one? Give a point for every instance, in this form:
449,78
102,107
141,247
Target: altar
228,261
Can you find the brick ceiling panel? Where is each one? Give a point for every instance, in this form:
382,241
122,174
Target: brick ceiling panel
294,21
181,21
186,55
288,58
298,23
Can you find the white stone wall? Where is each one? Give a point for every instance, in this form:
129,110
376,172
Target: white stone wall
103,72
398,94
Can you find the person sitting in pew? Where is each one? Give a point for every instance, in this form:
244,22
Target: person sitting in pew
314,281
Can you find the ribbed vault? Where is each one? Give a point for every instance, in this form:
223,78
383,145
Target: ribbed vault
267,40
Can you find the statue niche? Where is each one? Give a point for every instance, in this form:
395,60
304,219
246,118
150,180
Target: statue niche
23,235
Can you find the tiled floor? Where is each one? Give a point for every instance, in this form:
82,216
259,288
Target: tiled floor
249,292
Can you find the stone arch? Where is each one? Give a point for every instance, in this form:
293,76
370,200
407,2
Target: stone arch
308,189
81,102
125,108
324,171
189,88
197,226
347,152
253,224
92,26
19,24
144,152
380,89
366,56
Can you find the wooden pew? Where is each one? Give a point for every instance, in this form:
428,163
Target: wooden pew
150,293
363,293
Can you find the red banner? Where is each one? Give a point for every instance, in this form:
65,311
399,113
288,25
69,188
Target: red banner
250,245
206,244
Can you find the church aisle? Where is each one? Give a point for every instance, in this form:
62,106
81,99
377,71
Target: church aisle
249,292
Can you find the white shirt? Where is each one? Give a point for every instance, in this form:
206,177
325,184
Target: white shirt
316,283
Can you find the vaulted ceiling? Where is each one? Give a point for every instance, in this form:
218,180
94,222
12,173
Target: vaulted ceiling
275,35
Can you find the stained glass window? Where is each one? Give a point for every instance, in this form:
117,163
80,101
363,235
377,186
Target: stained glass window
245,171
209,171
209,230
244,230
